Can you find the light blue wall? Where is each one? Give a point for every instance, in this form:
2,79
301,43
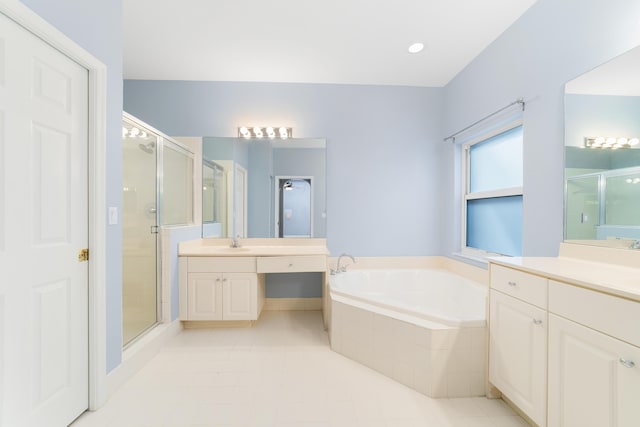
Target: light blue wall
294,285
384,149
96,25
555,41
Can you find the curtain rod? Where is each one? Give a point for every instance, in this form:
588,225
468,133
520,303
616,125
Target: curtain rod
517,101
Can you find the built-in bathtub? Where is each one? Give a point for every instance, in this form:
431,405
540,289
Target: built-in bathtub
425,328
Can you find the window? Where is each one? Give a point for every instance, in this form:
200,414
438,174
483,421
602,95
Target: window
492,219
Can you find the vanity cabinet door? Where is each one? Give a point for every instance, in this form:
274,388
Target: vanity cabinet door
204,296
240,296
518,352
594,379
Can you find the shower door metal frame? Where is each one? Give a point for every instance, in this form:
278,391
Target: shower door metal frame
154,229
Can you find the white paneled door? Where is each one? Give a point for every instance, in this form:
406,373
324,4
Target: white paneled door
43,227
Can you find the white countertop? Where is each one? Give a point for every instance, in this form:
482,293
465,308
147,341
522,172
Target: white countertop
253,247
618,280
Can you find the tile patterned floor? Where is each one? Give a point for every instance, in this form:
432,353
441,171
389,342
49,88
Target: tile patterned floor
279,373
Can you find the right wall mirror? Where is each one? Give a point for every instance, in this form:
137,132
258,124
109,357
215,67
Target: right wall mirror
602,154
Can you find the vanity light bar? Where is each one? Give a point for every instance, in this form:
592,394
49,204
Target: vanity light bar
270,132
610,142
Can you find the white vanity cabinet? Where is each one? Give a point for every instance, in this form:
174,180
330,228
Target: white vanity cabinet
581,367
594,359
220,289
219,282
518,339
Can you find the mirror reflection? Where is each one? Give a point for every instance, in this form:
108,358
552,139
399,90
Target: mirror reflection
602,153
263,188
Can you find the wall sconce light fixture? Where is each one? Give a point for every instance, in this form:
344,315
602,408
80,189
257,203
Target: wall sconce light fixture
610,142
270,132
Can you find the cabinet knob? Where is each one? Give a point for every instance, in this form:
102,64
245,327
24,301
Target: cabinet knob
537,321
512,283
290,264
218,279
224,280
627,363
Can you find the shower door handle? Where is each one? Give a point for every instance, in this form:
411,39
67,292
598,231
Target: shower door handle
154,229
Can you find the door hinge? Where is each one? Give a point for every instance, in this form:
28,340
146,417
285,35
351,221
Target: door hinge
154,229
83,255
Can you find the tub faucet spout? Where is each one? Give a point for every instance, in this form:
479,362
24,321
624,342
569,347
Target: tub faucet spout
235,243
344,268
635,244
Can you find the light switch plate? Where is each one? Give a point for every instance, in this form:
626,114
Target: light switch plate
113,215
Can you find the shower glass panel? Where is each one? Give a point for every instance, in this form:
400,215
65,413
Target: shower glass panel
139,230
177,185
622,201
582,213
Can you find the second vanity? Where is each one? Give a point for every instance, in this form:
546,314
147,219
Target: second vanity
564,336
219,282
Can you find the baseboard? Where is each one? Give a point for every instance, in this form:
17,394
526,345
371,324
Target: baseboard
293,304
140,353
208,324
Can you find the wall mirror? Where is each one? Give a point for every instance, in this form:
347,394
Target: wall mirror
602,154
262,188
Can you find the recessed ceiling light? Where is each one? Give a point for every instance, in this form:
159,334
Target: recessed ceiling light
416,47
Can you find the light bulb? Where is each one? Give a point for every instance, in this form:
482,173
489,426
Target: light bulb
134,132
283,133
599,140
611,140
245,132
258,132
622,141
124,132
634,141
271,133
628,180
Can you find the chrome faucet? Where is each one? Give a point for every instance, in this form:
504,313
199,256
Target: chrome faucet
343,269
635,244
235,243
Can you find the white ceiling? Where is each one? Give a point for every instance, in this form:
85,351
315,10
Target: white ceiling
322,41
616,77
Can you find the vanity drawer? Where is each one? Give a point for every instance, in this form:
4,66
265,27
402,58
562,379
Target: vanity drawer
286,264
524,286
221,264
612,315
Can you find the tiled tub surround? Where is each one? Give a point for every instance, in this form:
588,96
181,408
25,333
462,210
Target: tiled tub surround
439,358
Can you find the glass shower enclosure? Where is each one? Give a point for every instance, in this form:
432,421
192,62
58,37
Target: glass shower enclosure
603,205
157,191
140,307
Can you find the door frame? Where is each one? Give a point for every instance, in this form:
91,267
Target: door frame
96,176
276,216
